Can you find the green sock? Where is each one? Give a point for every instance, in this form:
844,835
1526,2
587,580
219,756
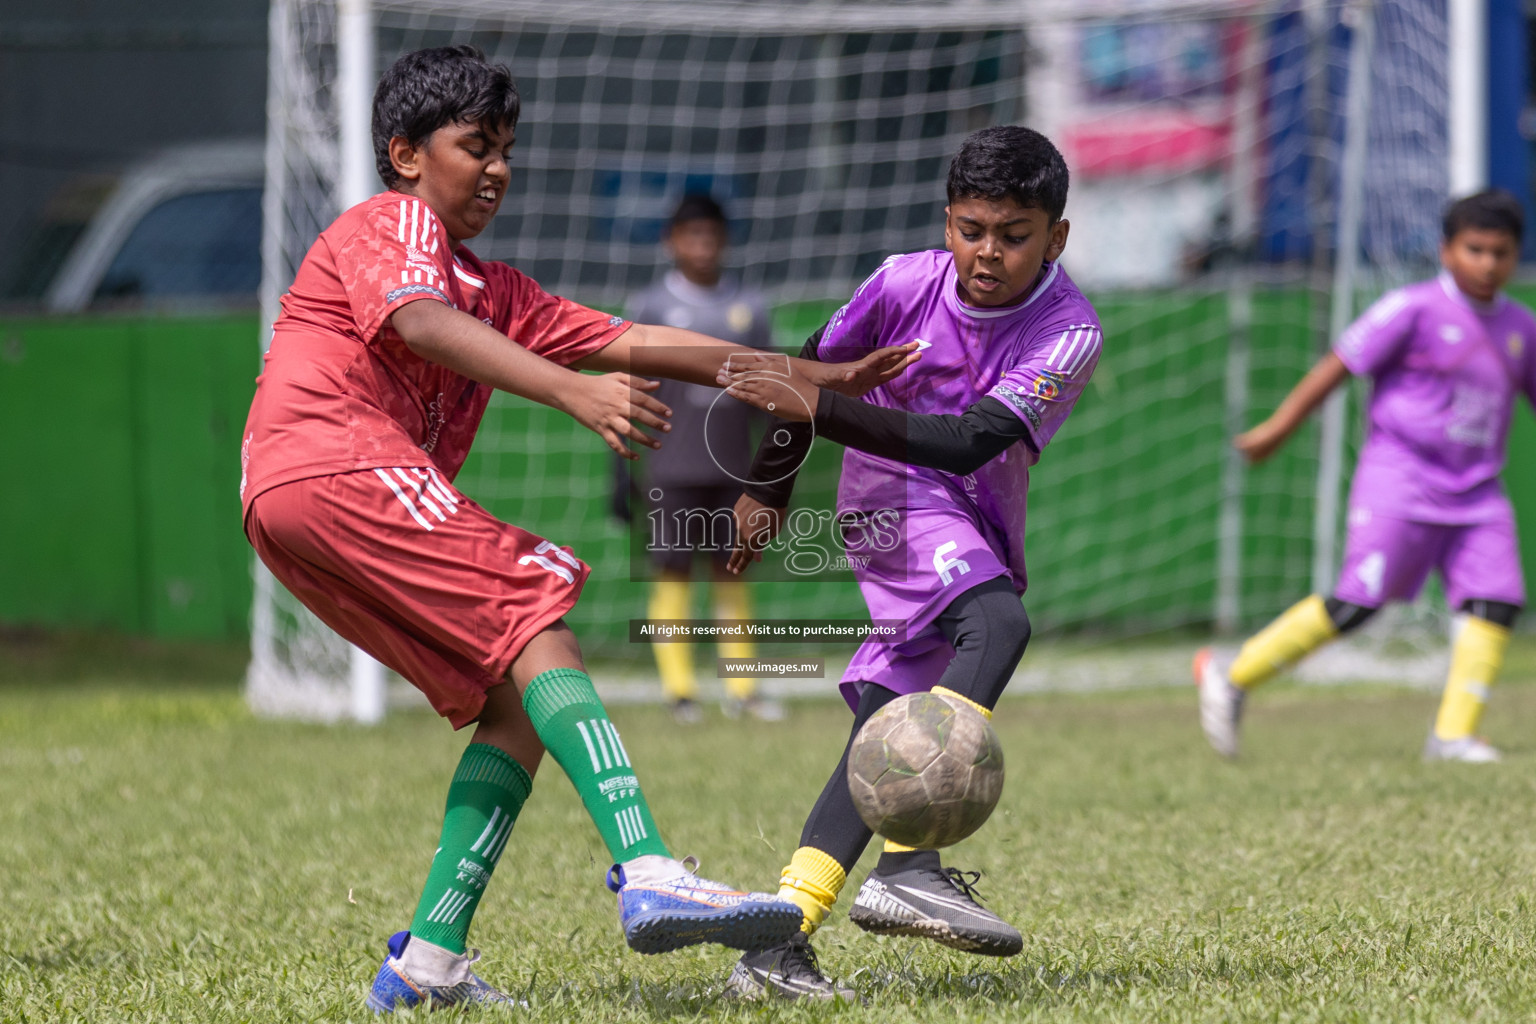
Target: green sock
483,800
575,729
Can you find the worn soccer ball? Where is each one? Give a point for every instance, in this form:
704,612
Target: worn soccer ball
926,770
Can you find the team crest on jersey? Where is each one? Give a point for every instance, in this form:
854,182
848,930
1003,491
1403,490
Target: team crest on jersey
1451,334
739,316
1516,344
1049,385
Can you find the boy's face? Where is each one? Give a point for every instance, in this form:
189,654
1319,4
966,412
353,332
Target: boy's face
1480,260
460,171
999,247
697,247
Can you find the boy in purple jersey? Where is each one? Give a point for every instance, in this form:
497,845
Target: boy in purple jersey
932,494
1447,358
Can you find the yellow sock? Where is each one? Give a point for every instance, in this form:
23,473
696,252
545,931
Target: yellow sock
733,603
1300,630
894,847
669,600
811,882
1477,654
946,691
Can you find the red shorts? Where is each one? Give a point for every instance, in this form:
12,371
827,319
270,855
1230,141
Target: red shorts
404,566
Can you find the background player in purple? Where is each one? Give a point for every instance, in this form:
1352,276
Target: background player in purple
933,492
1446,358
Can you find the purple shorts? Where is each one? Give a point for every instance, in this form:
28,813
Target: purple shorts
1389,559
940,554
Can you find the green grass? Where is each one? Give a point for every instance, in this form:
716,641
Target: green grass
165,857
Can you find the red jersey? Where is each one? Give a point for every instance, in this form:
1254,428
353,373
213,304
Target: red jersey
342,392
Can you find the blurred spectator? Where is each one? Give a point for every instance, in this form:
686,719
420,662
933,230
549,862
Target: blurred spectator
689,486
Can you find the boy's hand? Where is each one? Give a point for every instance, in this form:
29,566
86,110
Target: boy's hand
854,379
788,396
608,404
1261,442
756,525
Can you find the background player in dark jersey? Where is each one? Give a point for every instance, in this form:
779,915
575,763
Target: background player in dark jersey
389,344
942,454
689,485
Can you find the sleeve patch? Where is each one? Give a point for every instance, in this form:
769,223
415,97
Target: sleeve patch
415,289
1019,401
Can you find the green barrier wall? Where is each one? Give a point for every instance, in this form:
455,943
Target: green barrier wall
121,465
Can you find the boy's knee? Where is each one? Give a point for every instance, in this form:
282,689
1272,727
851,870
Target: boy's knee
1008,624
1346,616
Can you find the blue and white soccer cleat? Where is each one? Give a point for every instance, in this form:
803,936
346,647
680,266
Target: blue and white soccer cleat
686,910
394,988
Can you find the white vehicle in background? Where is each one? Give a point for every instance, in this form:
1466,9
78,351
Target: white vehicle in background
181,228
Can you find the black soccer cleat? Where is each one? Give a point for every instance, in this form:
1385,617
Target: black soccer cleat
935,903
788,971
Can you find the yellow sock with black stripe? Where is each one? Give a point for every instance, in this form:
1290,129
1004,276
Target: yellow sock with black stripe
1477,654
1300,630
811,882
732,604
674,661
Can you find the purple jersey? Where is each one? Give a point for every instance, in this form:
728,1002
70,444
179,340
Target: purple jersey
1034,357
1445,371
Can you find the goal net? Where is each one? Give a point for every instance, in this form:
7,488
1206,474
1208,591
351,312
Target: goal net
1214,166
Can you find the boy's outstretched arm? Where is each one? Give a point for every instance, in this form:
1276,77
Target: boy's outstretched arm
605,405
956,443
656,351
759,512
1264,440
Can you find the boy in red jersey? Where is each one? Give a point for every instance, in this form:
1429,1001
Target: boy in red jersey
381,364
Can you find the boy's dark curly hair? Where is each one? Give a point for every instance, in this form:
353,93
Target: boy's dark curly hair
1489,210
1010,162
427,89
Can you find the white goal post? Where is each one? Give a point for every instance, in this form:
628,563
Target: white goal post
1240,189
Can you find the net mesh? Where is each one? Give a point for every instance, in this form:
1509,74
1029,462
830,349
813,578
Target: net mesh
1206,145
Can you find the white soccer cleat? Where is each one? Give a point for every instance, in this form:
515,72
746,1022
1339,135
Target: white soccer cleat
1467,750
764,709
1221,703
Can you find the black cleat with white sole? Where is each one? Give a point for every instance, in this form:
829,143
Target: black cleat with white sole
788,971
928,901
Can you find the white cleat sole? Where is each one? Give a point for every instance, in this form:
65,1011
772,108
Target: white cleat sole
1467,750
1221,704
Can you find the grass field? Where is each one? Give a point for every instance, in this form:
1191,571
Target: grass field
168,858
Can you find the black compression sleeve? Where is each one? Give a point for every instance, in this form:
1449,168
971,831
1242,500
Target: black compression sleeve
956,444
782,449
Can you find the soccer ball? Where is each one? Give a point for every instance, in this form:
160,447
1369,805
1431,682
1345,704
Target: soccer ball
926,770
